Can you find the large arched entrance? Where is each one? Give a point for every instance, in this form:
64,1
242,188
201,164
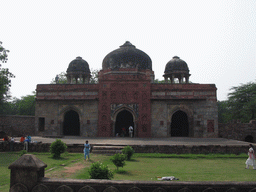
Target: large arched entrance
71,125
124,120
179,124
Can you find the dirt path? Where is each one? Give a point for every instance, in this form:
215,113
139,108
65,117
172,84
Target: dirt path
67,171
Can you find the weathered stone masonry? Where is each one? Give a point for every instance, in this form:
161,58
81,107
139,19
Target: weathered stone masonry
16,125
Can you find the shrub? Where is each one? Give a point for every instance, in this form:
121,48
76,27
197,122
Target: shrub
22,152
57,147
118,160
100,171
128,152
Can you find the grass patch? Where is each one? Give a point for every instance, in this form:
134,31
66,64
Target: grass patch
143,166
6,158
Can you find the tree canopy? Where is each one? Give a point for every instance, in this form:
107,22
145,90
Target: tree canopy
23,106
62,78
5,77
241,104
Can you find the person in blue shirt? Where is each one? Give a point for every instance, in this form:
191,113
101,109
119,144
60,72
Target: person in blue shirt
29,138
87,148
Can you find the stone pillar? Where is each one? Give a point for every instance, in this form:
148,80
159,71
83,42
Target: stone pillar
71,79
182,78
26,172
187,78
172,79
166,79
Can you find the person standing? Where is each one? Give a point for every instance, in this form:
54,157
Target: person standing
87,149
131,131
12,144
251,159
26,144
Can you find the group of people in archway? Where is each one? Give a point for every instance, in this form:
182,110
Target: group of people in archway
124,132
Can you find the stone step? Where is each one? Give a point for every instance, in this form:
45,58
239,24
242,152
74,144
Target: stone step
108,152
107,147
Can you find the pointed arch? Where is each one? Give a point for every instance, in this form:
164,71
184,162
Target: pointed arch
70,118
178,113
122,118
71,123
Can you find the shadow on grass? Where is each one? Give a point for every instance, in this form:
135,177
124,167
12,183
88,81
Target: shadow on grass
133,160
123,172
90,160
59,158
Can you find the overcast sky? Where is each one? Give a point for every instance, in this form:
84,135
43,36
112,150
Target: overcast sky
216,38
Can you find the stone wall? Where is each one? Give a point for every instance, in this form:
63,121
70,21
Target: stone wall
198,101
53,114
32,169
199,112
238,131
168,149
17,125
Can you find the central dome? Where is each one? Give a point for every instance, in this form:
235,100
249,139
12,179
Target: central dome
127,56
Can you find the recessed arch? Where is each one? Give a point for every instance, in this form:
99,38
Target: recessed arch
71,123
124,119
179,124
249,139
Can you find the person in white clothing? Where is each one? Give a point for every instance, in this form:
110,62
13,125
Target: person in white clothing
130,131
251,159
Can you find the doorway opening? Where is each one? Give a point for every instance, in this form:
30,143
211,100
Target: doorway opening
124,120
179,124
71,125
249,139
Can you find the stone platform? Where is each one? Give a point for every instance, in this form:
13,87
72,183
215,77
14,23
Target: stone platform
142,141
172,145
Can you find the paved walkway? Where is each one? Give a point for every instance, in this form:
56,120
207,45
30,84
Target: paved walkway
142,141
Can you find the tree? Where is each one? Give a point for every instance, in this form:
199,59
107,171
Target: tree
5,78
62,78
118,160
3,53
241,103
224,115
23,106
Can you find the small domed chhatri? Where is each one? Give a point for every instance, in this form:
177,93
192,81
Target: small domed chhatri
78,69
176,68
127,56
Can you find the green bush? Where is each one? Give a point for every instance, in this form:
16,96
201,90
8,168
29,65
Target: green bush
57,147
22,152
118,159
100,171
128,152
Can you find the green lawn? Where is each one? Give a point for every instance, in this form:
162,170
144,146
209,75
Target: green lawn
185,167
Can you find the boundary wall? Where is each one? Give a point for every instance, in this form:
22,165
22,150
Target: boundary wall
238,131
17,125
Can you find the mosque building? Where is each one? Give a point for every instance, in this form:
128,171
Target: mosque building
127,95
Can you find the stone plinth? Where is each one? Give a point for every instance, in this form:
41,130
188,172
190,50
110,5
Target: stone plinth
26,172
